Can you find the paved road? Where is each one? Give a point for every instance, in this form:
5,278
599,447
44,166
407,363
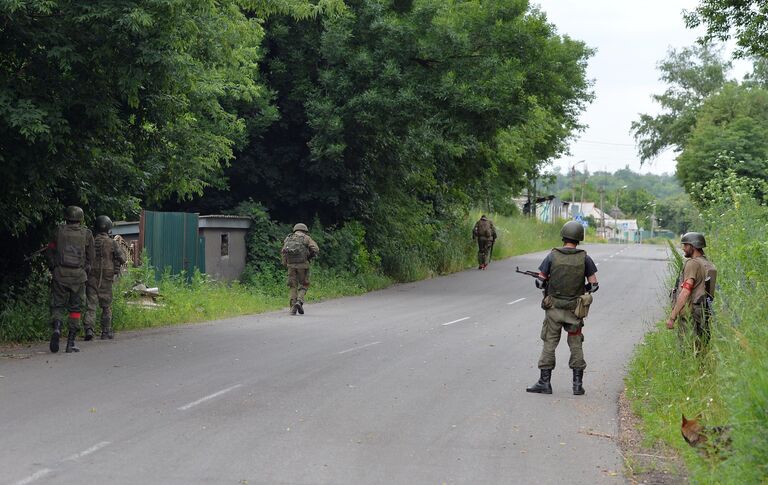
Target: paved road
421,383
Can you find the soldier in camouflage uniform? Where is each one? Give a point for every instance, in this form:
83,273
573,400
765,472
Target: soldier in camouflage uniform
484,233
298,250
694,291
109,257
561,276
70,256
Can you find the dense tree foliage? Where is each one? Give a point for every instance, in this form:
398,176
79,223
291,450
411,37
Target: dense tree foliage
397,114
692,74
436,103
110,105
713,123
746,20
731,133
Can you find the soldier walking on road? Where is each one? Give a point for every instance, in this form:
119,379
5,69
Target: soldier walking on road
298,250
561,276
694,291
70,256
485,234
109,257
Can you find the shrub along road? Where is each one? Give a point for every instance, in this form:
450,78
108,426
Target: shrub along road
419,383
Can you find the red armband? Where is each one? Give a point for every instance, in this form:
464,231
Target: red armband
51,245
687,286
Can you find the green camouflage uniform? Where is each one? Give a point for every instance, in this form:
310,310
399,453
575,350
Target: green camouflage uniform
109,257
485,234
298,270
70,255
565,285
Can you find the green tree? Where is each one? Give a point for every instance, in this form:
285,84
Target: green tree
407,112
731,133
692,74
109,104
745,20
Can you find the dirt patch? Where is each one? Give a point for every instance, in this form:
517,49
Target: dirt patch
657,465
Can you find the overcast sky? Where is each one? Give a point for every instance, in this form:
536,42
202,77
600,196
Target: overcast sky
630,38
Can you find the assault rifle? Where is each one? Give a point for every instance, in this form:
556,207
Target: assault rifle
529,273
39,251
540,282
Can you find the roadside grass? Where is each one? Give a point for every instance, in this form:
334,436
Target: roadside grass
727,385
198,298
519,235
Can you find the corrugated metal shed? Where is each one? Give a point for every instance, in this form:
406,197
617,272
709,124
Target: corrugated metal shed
172,241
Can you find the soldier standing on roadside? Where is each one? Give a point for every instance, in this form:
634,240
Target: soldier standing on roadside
562,275
109,257
485,234
298,250
70,256
692,299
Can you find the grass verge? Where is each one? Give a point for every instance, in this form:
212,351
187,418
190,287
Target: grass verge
727,385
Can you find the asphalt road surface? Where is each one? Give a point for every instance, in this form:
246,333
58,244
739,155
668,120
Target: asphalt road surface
420,383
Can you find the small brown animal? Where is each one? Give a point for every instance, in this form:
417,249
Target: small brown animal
708,440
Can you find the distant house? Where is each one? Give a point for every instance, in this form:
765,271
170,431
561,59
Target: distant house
222,243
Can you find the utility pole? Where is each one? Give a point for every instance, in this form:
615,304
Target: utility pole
583,183
573,186
602,212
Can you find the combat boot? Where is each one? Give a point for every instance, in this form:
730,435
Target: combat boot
542,386
578,377
71,347
88,334
293,307
300,307
106,333
55,335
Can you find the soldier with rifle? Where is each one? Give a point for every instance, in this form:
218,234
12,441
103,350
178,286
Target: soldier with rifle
694,291
109,257
566,302
70,256
484,233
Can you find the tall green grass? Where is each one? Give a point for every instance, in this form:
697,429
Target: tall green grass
728,385
346,267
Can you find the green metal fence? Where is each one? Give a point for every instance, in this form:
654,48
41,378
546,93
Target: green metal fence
172,240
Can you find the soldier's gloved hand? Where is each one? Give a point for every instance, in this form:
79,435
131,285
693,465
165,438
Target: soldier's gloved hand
591,287
541,284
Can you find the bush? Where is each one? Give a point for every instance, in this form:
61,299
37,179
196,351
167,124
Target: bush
25,312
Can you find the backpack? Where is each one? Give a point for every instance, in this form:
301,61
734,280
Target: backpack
104,249
70,247
484,228
294,249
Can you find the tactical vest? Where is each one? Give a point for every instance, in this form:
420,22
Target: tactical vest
295,249
70,246
566,277
484,228
105,256
703,291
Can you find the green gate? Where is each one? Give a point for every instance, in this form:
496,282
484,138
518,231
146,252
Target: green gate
172,240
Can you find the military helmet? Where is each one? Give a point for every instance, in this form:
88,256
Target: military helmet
103,224
300,227
695,239
572,230
73,213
